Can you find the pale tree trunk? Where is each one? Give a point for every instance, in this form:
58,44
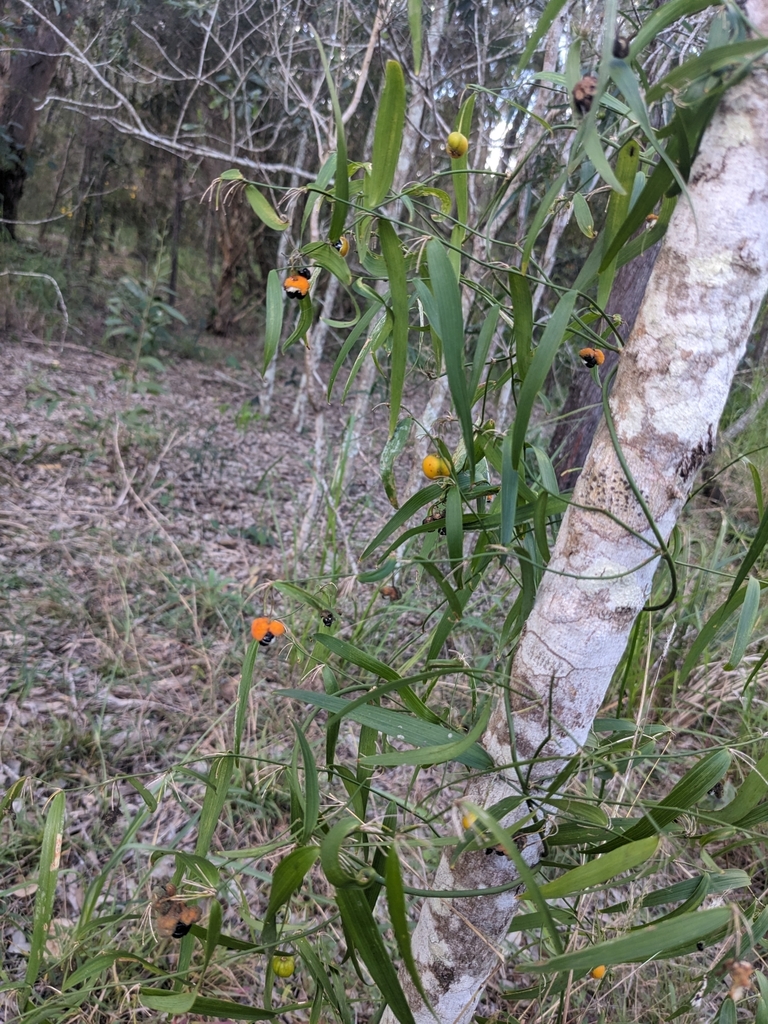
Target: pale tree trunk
672,383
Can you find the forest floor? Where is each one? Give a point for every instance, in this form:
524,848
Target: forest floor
140,528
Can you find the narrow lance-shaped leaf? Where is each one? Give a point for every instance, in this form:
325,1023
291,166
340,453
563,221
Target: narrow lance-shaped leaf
48,873
274,322
459,166
399,918
451,330
522,306
263,210
627,164
398,290
484,340
303,324
414,25
391,451
364,933
387,138
406,727
341,181
311,787
747,620
642,943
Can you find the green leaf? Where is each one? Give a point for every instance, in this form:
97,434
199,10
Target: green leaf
651,942
263,210
663,16
594,150
705,64
233,174
341,179
542,26
324,255
311,787
454,528
391,451
509,488
216,793
718,883
317,188
695,784
583,215
399,724
47,877
522,305
459,176
303,324
445,289
426,496
484,339
387,138
627,164
756,549
213,931
243,693
144,793
392,251
714,623
299,594
624,78
274,322
600,870
376,575
346,348
288,877
102,962
363,932
439,753
756,483
442,197
399,917
187,1002
748,796
747,621
360,658
414,26
538,370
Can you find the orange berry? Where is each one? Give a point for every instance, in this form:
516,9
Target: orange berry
597,972
433,467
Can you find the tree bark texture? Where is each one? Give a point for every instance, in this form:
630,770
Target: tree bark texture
25,79
672,383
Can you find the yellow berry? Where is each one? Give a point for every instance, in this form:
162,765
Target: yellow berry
283,965
433,467
597,972
456,145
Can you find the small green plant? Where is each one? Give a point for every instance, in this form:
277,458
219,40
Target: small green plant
139,312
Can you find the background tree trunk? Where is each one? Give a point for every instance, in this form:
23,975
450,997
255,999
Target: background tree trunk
583,411
672,383
24,81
